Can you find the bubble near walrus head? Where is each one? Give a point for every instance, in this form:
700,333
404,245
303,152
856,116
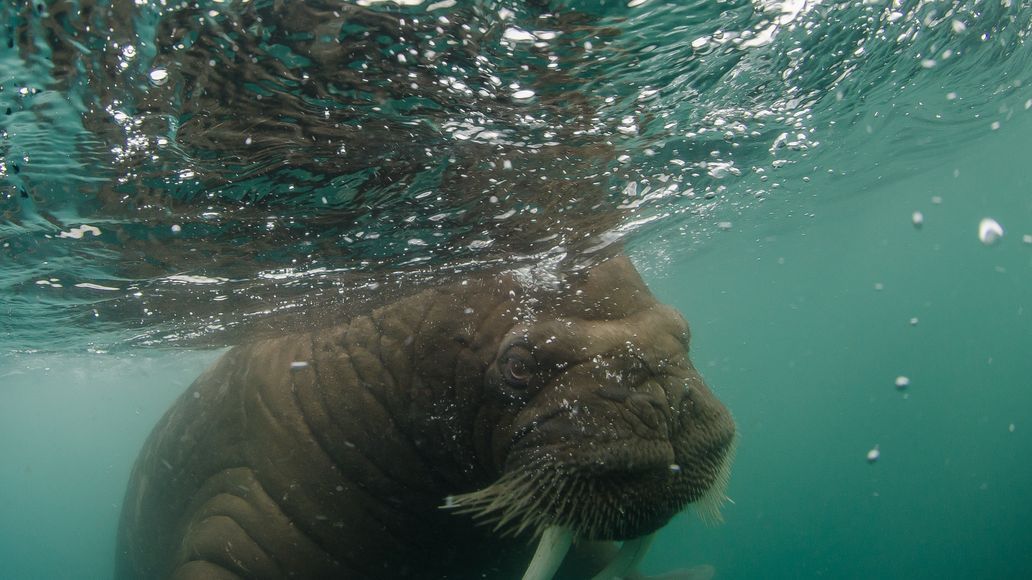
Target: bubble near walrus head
558,404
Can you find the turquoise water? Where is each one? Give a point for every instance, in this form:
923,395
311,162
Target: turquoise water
768,191
790,327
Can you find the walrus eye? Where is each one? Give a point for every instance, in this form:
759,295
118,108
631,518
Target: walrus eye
516,372
517,367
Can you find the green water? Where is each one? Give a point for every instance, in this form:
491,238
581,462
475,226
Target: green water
789,328
795,258
69,430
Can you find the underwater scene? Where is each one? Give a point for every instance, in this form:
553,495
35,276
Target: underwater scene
449,288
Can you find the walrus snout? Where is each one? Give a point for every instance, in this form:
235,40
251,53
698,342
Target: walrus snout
648,412
613,430
601,431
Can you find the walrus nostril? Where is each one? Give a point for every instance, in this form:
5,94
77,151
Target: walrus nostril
647,409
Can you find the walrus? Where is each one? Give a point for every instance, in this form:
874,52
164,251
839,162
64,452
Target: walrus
436,436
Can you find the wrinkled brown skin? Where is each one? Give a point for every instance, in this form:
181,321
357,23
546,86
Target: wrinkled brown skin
338,469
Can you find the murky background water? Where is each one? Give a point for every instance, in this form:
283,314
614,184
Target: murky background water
182,177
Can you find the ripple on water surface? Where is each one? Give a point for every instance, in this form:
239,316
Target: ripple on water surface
179,172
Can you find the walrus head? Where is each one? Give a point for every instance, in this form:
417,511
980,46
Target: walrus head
604,428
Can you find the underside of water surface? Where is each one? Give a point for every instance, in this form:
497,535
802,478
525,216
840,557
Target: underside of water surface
174,171
835,194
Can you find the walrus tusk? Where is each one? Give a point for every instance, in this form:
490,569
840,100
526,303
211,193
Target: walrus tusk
552,548
630,554
555,542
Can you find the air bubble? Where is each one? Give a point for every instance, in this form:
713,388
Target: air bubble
518,35
159,76
873,454
989,231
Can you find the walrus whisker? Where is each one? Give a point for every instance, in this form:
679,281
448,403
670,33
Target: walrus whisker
577,492
591,524
524,524
537,514
502,494
509,503
564,502
529,518
707,507
559,501
515,509
490,498
511,513
539,498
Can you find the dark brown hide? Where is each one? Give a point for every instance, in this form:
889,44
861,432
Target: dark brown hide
329,454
